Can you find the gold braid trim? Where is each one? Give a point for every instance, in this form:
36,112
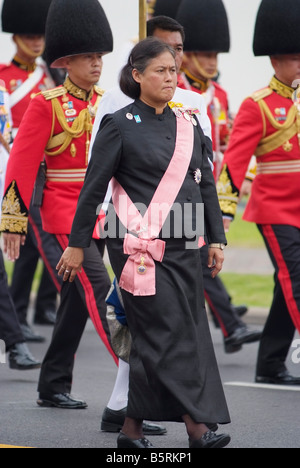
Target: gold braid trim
83,123
151,7
284,131
228,194
281,88
13,220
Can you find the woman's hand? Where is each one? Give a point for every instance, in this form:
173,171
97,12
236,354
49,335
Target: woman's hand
12,244
70,263
215,261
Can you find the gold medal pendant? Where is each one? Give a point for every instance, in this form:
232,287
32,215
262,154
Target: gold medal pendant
142,269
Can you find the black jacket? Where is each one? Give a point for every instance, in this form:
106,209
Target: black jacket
135,146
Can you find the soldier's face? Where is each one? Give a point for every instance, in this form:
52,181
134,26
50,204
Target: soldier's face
287,68
31,45
173,39
207,60
85,70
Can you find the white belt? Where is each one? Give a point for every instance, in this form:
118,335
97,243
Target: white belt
280,167
26,87
66,175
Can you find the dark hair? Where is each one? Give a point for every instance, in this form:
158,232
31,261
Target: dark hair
166,23
139,59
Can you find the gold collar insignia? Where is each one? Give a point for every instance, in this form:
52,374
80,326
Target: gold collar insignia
281,89
77,92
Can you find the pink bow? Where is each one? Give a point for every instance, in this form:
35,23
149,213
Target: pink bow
140,265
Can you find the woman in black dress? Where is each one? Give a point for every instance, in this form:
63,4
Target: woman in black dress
173,370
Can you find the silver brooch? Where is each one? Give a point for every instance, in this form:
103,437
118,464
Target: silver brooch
198,176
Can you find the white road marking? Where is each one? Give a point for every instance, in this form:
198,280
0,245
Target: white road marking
282,388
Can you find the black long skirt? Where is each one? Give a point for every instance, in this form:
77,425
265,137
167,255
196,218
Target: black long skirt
173,368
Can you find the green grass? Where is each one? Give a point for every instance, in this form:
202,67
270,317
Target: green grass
253,290
244,234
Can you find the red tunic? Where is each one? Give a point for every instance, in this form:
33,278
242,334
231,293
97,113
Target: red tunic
45,125
14,77
217,110
267,126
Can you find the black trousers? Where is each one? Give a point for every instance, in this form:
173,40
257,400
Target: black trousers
283,244
79,300
218,299
10,331
39,244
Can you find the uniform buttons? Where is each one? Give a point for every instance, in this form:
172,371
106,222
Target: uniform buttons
189,199
169,138
161,118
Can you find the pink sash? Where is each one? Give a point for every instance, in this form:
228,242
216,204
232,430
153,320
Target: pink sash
138,276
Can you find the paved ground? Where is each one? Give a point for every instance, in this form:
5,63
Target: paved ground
261,417
247,261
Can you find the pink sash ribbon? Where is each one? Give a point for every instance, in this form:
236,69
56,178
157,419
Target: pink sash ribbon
138,276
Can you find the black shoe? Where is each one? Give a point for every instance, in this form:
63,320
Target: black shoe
243,335
241,310
61,400
21,359
113,421
231,349
212,427
47,317
211,440
125,442
30,336
282,378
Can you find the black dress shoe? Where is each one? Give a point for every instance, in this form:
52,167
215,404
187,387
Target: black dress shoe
242,335
21,359
113,421
47,317
212,427
211,440
282,378
241,310
125,442
61,400
231,349
30,336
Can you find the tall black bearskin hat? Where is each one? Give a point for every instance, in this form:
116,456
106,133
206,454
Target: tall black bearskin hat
25,16
76,27
166,8
277,28
206,25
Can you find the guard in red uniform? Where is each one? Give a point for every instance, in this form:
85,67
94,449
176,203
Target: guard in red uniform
207,34
26,76
267,125
57,128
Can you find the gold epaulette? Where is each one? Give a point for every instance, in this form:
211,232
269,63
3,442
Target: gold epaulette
99,91
262,94
54,93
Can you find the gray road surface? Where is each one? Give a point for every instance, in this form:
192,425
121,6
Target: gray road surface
261,417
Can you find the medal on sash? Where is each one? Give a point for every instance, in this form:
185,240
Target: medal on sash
142,269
